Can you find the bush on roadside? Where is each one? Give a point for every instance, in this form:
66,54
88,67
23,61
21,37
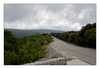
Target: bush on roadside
24,50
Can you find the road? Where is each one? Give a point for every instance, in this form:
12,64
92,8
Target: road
70,51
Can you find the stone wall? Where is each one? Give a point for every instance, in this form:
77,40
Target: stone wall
55,61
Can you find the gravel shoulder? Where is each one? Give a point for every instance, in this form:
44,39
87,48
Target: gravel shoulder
51,54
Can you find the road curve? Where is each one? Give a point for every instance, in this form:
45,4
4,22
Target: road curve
70,50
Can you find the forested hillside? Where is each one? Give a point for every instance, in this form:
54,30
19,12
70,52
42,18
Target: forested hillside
85,37
21,33
24,50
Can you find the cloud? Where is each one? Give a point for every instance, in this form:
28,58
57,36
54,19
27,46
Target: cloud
55,8
49,16
15,12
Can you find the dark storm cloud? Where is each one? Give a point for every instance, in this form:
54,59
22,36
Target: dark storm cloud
51,16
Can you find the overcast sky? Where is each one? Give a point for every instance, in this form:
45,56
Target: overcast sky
49,16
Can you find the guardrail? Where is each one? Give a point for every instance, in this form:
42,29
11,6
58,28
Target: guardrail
55,61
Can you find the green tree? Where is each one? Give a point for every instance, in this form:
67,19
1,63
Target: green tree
73,38
90,38
10,41
85,37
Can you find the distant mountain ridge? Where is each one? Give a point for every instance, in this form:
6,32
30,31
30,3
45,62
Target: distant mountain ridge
21,33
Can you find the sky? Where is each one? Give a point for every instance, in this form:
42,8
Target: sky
65,17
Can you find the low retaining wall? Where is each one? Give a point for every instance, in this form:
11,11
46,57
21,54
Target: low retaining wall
55,61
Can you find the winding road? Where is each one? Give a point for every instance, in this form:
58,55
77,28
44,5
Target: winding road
74,51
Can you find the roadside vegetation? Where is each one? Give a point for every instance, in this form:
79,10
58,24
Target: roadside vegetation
85,37
24,50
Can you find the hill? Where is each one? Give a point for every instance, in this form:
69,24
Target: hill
21,33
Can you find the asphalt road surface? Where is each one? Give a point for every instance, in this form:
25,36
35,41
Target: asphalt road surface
71,50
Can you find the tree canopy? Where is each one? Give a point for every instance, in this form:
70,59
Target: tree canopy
24,50
85,37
